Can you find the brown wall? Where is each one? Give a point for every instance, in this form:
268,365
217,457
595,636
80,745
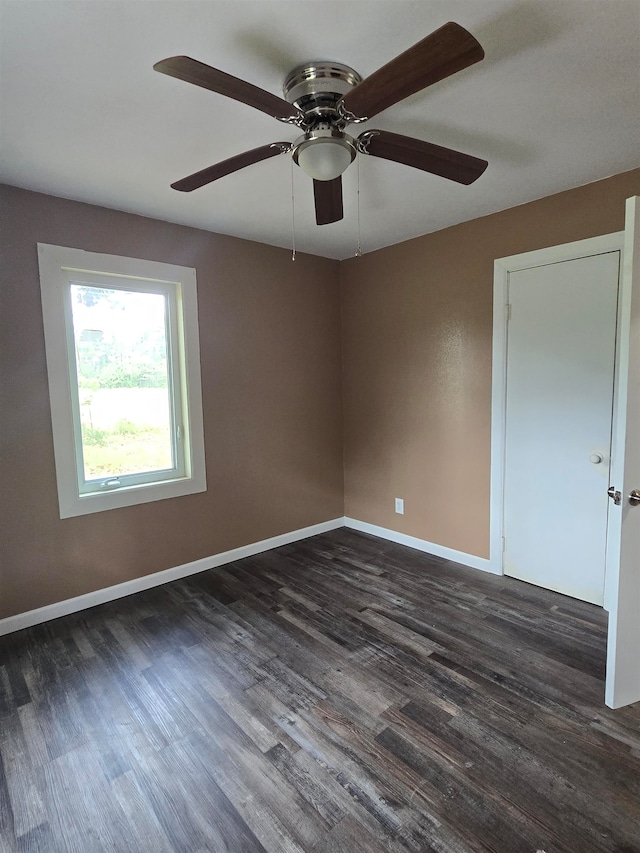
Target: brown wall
417,329
270,351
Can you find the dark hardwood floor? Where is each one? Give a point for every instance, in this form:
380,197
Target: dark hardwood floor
339,695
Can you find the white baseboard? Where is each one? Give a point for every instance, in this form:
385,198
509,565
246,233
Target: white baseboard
422,545
110,593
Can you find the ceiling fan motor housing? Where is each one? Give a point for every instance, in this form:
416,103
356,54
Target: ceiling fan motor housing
316,87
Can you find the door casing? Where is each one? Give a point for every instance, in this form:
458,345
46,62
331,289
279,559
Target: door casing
502,268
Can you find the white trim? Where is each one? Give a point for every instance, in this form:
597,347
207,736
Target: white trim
502,267
421,545
111,593
565,252
58,265
121,590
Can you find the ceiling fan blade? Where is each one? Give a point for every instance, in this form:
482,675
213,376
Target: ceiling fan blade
328,200
192,71
219,170
445,162
447,50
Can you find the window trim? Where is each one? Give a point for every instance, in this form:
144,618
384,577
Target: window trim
59,267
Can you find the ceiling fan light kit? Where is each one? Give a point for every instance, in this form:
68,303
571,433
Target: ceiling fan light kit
322,98
324,154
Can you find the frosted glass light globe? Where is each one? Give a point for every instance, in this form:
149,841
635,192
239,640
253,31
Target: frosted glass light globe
324,159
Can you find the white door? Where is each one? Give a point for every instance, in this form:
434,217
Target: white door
561,335
623,556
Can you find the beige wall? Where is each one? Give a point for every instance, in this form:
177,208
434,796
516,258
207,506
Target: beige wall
270,351
417,328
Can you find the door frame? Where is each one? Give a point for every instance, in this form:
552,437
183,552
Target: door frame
501,269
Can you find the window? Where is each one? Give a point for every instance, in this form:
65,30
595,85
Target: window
123,360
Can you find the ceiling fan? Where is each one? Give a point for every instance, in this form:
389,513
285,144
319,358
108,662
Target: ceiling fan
323,98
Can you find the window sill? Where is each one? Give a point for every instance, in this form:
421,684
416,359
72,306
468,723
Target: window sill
130,496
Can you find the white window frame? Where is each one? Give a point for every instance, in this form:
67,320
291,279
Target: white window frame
60,267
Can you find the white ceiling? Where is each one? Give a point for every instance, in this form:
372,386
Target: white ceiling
554,104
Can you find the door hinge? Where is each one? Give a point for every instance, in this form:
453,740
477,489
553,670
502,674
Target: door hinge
615,495
504,544
508,311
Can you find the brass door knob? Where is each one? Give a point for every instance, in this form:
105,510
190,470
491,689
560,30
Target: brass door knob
634,497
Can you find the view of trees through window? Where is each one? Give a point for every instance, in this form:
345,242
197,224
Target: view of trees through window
123,380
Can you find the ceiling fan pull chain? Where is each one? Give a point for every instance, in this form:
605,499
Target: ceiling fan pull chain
293,219
359,249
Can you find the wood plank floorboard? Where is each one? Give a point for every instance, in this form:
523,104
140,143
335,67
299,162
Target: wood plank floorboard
342,694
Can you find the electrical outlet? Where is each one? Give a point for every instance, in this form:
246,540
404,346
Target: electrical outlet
400,506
